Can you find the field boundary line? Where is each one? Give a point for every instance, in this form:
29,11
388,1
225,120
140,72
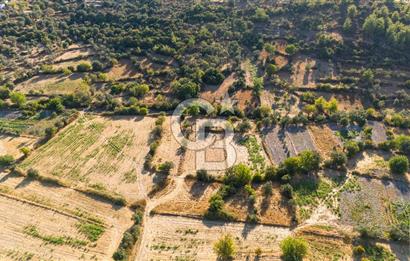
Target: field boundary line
198,217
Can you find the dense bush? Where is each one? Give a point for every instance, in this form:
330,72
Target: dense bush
6,160
238,175
293,249
213,76
399,164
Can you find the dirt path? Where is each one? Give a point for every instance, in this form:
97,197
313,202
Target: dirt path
142,250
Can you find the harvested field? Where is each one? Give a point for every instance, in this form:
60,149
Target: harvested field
75,205
54,84
12,145
324,139
106,153
307,72
214,93
123,70
190,239
366,204
299,140
44,233
378,132
192,201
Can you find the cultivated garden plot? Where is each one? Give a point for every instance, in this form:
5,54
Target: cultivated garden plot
372,163
54,84
172,237
106,153
376,206
111,220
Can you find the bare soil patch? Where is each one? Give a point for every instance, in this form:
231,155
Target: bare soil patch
214,93
299,140
17,217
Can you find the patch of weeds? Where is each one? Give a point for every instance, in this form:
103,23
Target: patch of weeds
400,212
32,230
92,231
373,252
130,176
351,185
310,192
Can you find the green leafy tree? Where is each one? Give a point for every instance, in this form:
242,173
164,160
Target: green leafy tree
309,161
238,175
184,88
293,249
213,76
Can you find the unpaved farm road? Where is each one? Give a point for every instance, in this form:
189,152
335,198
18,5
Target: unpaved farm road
151,204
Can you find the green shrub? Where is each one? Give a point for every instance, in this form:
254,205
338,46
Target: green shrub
287,190
202,175
399,165
293,249
225,248
165,168
352,148
6,160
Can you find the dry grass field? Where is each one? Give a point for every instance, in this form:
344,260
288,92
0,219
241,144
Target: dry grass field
102,152
12,145
307,72
54,84
49,219
324,140
72,53
123,70
180,238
